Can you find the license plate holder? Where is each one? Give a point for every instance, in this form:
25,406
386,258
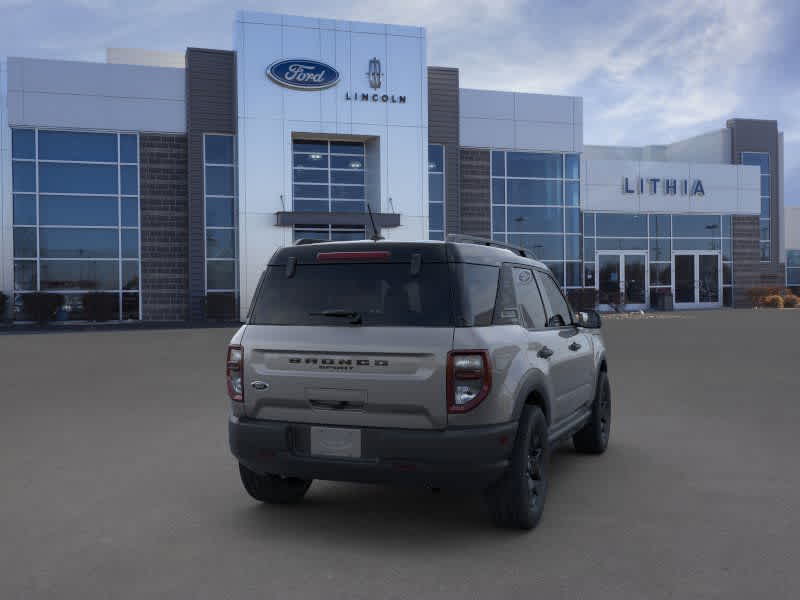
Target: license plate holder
335,442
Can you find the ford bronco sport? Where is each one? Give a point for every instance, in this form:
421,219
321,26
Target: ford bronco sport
444,364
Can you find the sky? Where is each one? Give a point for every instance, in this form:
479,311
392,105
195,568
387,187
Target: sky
649,72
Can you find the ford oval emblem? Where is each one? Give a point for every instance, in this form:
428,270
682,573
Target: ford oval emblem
303,74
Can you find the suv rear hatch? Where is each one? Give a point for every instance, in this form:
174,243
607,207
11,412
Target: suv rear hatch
353,334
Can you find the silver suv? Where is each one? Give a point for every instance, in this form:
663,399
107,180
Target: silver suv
445,364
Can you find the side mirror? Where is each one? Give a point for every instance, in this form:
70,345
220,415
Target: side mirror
590,319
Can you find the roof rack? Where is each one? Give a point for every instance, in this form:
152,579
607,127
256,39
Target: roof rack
306,241
471,239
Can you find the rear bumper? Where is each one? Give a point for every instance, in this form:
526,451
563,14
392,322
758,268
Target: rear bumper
471,457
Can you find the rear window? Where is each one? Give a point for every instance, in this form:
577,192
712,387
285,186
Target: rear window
379,294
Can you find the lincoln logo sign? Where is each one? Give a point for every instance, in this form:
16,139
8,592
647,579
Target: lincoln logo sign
302,74
667,186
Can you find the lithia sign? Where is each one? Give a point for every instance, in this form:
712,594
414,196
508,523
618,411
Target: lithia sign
306,74
669,187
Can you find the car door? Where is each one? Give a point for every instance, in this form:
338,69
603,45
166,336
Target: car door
572,354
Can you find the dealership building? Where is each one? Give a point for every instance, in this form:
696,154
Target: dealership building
168,180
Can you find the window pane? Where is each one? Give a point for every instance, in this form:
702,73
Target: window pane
588,224
23,176
219,212
25,242
727,226
661,274
727,249
498,163
588,274
341,162
74,145
348,206
572,190
436,187
539,220
477,307
347,148
765,251
23,144
696,225
793,277
530,164
347,192
130,243
221,274
130,212
311,234
130,307
660,249
573,166
435,158
316,161
310,191
763,229
79,275
128,149
78,243
77,179
544,247
220,243
498,191
572,220
309,146
573,274
130,275
219,181
436,235
25,275
557,268
24,209
759,159
727,297
765,185
77,210
660,226
793,258
623,225
358,177
219,149
129,180
436,216
521,191
342,236
311,175
588,249
529,300
572,245
311,205
765,207
498,218
558,305
695,244
727,273
621,243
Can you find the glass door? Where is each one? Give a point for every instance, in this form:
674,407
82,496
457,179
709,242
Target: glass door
621,280
697,279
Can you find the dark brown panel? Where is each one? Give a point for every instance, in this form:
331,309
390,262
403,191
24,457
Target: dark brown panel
210,108
164,227
443,113
475,198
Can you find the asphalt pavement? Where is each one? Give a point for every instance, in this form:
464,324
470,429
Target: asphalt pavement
116,482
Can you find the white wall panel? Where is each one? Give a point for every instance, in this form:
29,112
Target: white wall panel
541,107
363,47
540,135
486,104
6,205
486,133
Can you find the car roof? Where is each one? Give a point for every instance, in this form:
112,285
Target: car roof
430,250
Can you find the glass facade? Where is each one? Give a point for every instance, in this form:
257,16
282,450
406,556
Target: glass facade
536,205
660,235
793,268
761,160
221,222
328,176
76,219
436,192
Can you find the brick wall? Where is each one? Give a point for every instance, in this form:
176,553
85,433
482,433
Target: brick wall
443,128
476,218
746,253
165,227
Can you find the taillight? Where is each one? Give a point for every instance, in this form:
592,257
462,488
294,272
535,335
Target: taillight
469,379
234,371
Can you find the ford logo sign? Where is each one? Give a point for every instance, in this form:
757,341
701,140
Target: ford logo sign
303,74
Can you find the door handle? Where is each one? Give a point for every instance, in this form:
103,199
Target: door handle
545,352
574,346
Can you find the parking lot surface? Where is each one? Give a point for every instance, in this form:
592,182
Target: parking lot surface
117,482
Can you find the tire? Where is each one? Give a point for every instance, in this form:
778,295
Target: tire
517,500
273,488
593,437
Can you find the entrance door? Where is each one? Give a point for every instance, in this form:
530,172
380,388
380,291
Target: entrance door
622,280
697,279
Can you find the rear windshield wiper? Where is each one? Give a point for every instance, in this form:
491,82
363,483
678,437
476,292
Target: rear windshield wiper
355,317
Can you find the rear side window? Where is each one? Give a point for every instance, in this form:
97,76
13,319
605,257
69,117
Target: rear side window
379,294
558,305
529,300
478,286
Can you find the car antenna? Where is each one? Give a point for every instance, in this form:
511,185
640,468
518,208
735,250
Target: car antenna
375,237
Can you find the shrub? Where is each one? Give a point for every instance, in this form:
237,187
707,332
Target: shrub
41,306
99,306
790,301
773,301
3,306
